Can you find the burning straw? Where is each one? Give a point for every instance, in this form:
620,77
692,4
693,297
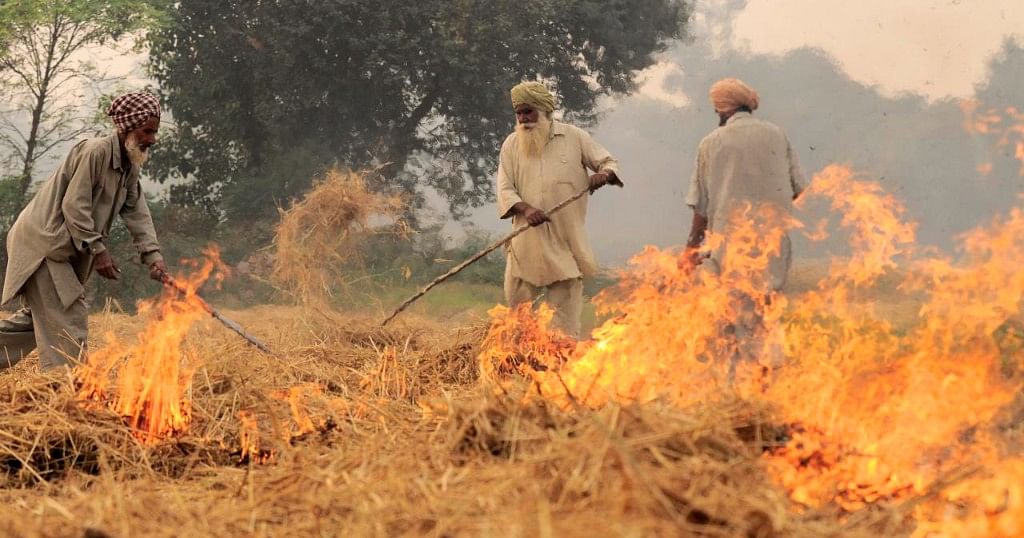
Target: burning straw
874,415
418,430
147,382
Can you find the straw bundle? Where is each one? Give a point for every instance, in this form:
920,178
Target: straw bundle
317,238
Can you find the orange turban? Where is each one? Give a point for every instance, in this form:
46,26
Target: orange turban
729,94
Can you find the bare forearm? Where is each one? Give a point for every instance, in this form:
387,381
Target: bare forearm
520,207
697,230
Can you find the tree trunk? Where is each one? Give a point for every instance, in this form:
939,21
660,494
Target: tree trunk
403,137
37,112
30,147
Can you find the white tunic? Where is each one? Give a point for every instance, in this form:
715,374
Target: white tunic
746,162
556,250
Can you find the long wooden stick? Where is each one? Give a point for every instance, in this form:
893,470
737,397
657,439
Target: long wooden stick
491,248
173,284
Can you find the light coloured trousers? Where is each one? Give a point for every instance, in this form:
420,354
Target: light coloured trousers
565,297
59,333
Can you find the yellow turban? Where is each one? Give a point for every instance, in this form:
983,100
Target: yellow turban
534,94
729,94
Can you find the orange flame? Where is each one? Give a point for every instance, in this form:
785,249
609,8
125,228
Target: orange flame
296,397
875,413
148,382
1004,127
249,439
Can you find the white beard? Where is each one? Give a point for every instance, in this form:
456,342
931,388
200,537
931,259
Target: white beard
136,154
532,137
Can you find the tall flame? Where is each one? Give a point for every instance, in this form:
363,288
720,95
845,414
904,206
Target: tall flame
147,382
874,412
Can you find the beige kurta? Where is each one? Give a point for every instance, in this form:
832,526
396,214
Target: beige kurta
67,221
746,161
556,250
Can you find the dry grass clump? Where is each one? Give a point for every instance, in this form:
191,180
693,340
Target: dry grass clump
385,432
639,470
317,237
45,435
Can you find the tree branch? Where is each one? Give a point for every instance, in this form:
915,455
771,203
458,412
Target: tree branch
29,83
30,38
16,148
70,47
10,126
67,137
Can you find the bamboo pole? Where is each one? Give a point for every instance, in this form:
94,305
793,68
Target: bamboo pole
491,248
230,324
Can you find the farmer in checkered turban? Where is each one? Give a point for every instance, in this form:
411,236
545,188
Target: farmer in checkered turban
60,238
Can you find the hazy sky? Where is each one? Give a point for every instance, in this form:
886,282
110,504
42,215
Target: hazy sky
937,48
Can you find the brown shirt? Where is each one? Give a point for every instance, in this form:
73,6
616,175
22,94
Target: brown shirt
556,250
68,220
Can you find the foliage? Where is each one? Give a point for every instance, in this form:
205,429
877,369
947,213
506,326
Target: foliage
47,78
46,72
267,94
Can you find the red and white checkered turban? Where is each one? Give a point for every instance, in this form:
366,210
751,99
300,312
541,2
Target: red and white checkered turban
131,110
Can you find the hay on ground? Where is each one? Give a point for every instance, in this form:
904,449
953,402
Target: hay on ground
402,439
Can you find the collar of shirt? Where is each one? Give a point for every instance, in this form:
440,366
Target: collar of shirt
557,129
738,116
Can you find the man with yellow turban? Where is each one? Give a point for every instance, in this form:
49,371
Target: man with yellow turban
541,164
60,237
745,165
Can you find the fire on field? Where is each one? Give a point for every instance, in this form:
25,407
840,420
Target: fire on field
825,419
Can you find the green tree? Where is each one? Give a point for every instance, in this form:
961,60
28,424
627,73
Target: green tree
267,93
46,72
46,76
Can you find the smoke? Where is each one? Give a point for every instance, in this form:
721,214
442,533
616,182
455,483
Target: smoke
915,147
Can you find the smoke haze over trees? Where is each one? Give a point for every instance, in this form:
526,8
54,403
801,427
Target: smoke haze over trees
918,149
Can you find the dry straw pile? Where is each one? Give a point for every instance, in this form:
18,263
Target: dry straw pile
317,240
360,431
401,439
